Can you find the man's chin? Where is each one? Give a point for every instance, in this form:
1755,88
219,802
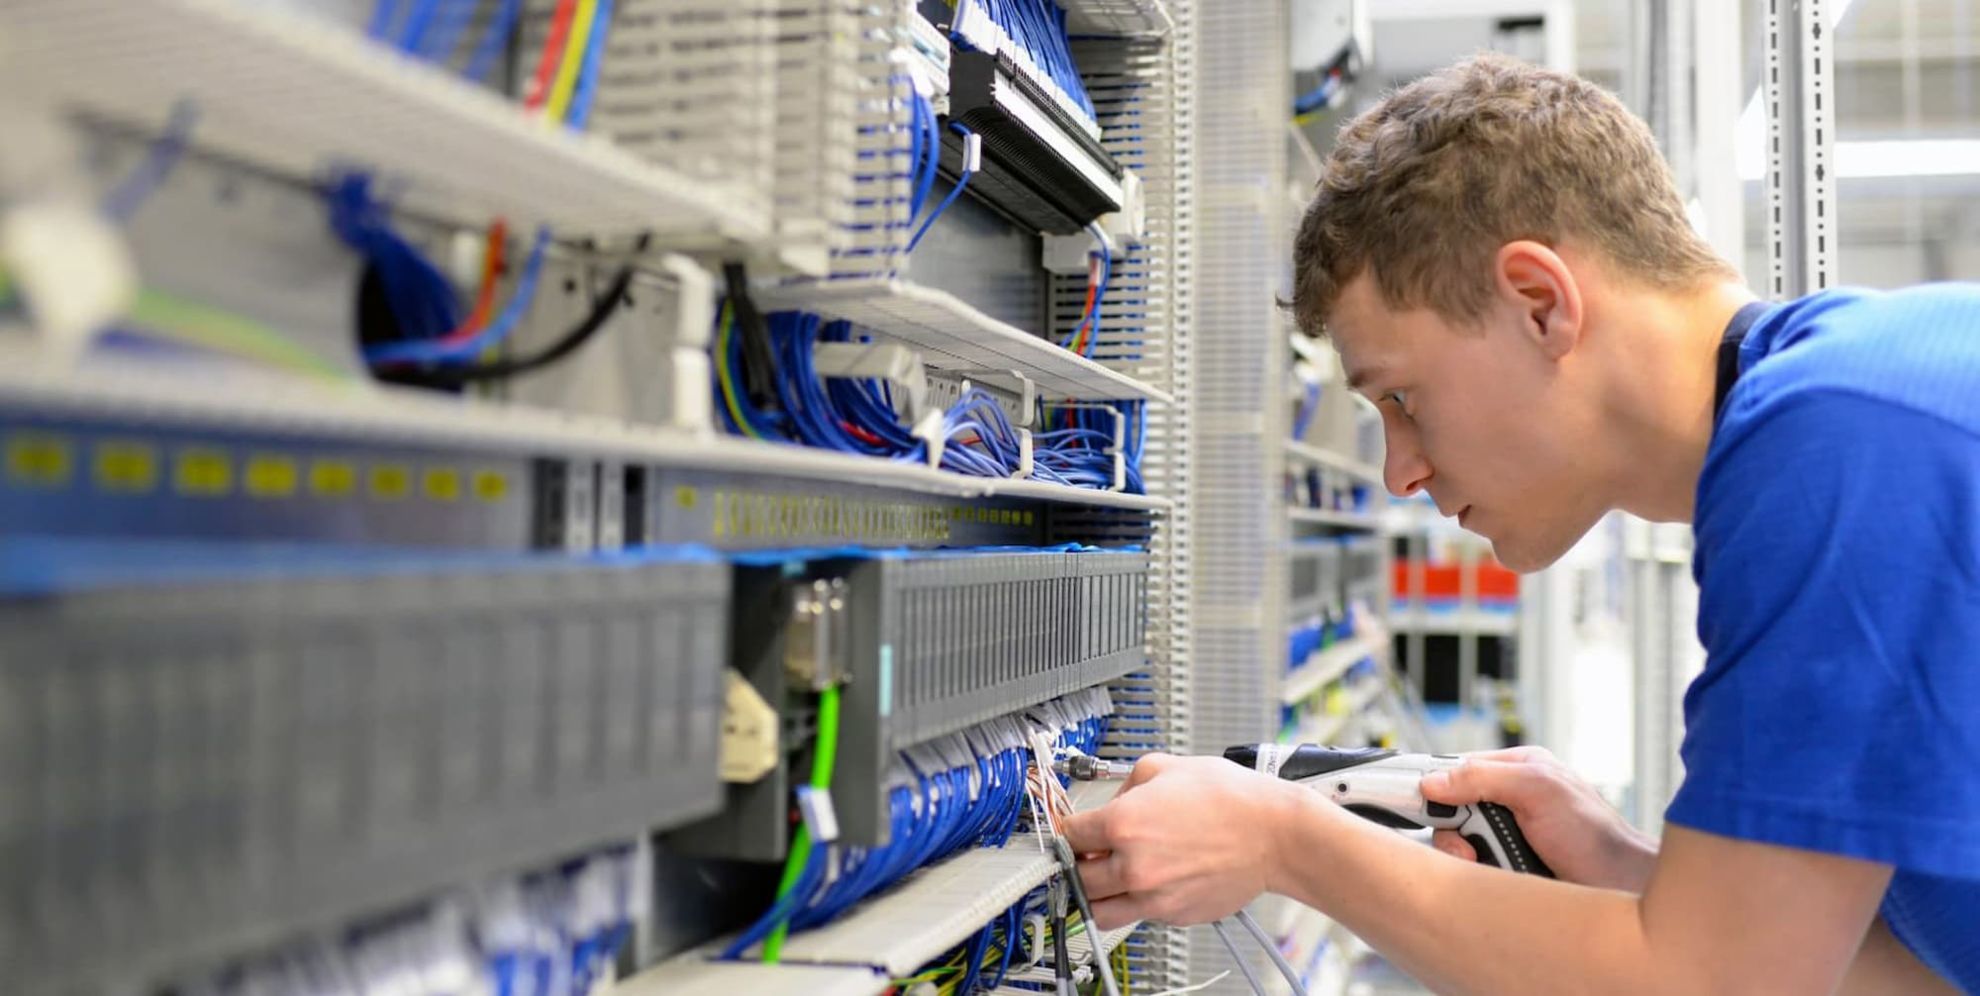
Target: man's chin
1525,557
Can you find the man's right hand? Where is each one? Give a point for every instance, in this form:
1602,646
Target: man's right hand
1573,829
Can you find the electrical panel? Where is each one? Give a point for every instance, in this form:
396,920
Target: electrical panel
508,495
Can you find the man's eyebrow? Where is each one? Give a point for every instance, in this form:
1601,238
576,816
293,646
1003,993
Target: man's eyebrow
1357,379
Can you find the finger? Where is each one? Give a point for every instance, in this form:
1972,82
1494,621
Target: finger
1522,754
1087,833
1119,911
1508,783
1449,842
1102,878
1145,768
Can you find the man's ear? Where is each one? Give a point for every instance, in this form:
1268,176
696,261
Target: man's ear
1536,284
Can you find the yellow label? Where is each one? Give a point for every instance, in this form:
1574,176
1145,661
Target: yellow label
126,468
441,484
686,497
391,481
1027,517
37,459
490,486
270,476
333,478
202,472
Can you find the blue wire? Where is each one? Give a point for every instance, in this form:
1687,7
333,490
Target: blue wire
445,35
494,40
961,181
1092,316
426,350
417,293
416,23
1316,98
166,151
594,60
974,959
781,910
382,16
925,153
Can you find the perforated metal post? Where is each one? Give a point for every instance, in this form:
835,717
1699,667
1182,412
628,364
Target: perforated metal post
1801,198
1237,601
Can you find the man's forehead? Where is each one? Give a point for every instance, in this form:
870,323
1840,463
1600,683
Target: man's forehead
1359,377
1370,337
1359,345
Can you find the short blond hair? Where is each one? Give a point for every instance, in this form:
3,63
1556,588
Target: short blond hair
1424,188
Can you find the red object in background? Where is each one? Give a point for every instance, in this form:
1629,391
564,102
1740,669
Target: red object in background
1442,581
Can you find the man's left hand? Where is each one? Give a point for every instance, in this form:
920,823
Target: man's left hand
1188,840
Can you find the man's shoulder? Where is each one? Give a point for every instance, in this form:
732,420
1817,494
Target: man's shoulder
1916,350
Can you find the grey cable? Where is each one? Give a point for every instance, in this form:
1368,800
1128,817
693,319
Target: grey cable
1093,934
1265,941
1224,934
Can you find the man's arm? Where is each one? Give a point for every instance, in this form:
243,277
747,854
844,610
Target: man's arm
1192,839
1884,965
1585,840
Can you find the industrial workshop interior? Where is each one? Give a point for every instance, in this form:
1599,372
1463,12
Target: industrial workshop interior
717,497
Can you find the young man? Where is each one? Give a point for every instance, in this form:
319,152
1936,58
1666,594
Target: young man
1501,258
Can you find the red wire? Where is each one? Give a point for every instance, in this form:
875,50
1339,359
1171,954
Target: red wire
484,300
539,90
1086,315
546,63
859,433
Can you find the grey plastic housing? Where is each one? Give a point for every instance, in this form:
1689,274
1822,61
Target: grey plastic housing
941,642
190,771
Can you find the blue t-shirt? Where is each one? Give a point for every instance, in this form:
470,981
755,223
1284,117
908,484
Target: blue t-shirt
1838,563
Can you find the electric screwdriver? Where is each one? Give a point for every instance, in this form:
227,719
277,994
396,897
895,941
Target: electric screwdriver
1384,786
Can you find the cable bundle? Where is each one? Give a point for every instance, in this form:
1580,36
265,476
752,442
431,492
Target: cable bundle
984,962
851,415
1023,938
923,154
964,790
432,30
549,934
854,415
1033,34
1080,452
978,439
430,326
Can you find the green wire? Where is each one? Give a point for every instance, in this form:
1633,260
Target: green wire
208,327
212,328
825,754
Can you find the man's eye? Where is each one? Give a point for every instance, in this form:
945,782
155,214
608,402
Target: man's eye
1397,397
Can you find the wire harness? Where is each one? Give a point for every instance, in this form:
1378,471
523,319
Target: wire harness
968,789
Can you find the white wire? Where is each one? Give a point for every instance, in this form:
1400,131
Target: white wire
1205,984
1250,977
1264,940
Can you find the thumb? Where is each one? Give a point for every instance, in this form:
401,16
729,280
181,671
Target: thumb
1508,783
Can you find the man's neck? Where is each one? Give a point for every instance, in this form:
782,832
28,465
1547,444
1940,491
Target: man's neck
1662,411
